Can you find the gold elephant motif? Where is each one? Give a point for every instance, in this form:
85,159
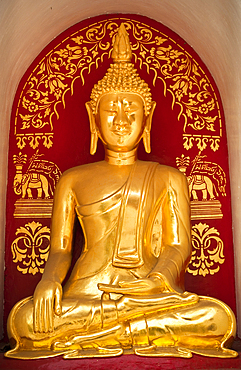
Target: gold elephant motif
39,180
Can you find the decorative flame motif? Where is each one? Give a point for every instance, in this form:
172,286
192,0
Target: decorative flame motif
207,254
121,47
84,50
30,249
182,163
19,160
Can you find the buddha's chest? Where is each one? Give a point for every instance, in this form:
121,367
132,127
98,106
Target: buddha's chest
99,185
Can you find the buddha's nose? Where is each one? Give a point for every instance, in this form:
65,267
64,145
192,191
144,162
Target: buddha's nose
121,118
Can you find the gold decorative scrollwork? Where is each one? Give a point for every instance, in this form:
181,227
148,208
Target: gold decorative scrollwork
162,58
207,254
34,139
201,142
30,249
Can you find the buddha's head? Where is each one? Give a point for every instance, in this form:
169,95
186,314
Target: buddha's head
121,106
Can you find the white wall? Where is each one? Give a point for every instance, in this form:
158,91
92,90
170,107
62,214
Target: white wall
213,28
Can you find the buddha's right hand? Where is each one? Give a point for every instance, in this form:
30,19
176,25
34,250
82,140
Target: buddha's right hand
47,302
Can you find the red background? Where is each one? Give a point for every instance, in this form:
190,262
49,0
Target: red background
71,147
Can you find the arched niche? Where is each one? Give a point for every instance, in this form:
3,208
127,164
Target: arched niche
49,122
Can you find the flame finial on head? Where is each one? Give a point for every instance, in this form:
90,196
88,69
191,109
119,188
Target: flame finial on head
121,49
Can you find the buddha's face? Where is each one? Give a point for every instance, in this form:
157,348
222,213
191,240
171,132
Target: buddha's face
121,120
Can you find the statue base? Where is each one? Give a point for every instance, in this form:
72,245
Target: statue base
127,362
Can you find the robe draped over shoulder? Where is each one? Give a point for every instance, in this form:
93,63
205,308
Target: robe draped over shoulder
141,229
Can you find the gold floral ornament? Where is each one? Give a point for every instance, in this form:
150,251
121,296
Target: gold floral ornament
207,254
85,49
30,249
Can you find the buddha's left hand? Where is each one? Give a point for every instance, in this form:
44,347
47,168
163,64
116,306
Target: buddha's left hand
151,285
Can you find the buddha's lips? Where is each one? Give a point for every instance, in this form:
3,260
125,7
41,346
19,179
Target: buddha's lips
121,131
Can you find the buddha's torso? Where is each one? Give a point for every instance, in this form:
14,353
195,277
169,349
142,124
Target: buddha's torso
98,190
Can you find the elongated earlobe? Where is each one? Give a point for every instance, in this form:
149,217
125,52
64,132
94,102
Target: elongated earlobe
93,143
147,130
147,141
93,129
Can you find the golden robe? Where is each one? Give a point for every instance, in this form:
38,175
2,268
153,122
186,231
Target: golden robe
141,230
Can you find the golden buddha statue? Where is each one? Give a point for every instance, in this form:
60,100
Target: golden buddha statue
126,291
